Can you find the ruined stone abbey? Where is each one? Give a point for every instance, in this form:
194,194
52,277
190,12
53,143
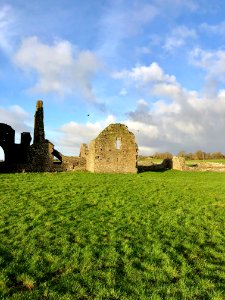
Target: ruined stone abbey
113,151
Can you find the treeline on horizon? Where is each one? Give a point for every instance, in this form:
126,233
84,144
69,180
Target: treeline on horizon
198,155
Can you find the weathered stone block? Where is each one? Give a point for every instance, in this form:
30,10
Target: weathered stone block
178,163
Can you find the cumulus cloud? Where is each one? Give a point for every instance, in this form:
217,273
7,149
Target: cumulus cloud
57,68
151,78
178,119
145,74
193,124
73,134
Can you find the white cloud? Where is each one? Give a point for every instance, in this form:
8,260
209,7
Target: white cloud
58,70
218,29
145,134
178,119
7,28
178,38
192,124
168,90
16,117
161,108
123,92
211,61
73,134
145,74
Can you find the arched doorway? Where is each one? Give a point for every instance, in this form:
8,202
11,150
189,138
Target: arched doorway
2,155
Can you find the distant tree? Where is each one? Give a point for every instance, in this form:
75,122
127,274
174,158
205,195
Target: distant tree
182,153
207,155
162,155
199,155
168,155
190,156
216,155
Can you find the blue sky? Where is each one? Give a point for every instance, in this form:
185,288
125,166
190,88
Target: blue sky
157,66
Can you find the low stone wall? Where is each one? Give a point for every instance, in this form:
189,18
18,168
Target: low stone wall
208,166
73,163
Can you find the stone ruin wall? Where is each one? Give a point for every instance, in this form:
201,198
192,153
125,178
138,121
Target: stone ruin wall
113,151
15,154
73,163
40,157
178,163
90,157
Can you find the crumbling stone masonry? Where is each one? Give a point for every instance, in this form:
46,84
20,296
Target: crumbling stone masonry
15,154
42,152
73,163
113,151
39,132
178,163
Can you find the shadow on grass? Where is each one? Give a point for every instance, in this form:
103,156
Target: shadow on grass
6,257
164,166
154,168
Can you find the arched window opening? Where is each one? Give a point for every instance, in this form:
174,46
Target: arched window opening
118,143
2,155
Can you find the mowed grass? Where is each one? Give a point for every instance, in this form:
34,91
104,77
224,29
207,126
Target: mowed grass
110,236
221,161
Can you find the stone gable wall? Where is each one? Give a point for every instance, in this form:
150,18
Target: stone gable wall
113,151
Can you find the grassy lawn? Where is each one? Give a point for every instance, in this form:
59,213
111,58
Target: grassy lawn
95,236
191,162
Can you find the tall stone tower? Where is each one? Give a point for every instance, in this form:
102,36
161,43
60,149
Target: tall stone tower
41,158
39,131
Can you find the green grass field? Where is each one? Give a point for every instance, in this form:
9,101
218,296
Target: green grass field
190,162
95,236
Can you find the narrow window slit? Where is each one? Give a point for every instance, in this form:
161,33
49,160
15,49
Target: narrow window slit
118,143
